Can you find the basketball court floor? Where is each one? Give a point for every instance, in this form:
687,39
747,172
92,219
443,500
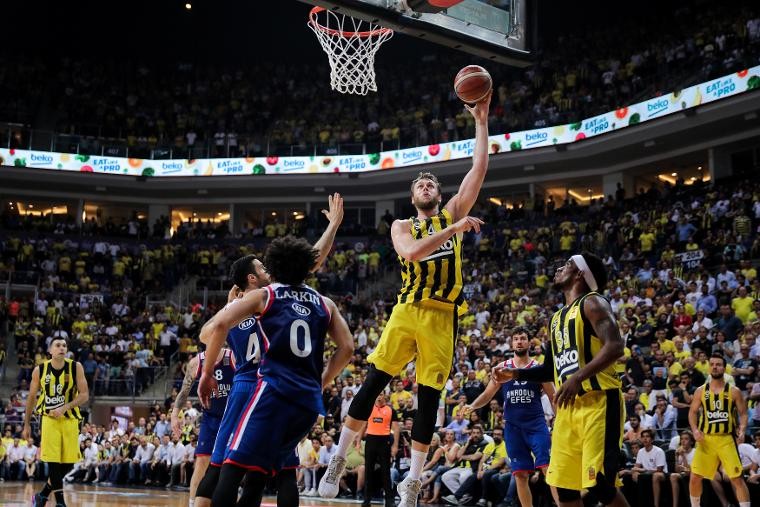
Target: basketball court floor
18,494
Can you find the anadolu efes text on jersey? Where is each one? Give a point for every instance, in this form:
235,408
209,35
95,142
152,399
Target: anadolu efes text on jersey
224,371
522,400
294,324
248,344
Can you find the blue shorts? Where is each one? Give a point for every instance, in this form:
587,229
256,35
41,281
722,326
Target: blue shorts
527,448
268,430
207,434
237,399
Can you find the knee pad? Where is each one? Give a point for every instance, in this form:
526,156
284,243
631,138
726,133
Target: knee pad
208,483
604,489
364,400
568,495
427,409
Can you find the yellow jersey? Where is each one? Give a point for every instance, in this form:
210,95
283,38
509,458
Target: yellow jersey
439,275
718,416
58,387
574,345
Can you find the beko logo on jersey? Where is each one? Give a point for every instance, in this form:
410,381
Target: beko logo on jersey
567,358
717,416
247,324
301,310
55,400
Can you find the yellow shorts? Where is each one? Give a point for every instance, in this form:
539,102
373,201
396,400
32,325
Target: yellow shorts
426,329
714,449
59,442
586,440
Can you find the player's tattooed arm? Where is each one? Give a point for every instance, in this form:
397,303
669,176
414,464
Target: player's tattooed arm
334,215
184,392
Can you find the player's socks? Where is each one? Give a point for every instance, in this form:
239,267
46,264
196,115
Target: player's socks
695,501
744,504
191,502
347,437
59,499
418,461
46,490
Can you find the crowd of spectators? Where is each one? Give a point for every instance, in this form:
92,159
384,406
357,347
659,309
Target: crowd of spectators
267,107
673,313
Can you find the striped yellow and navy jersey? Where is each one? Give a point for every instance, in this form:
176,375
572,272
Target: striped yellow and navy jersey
439,275
574,345
718,416
58,387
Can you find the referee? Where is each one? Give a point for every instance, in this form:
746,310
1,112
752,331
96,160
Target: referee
378,448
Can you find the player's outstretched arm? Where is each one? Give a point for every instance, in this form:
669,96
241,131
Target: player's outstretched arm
344,340
490,391
334,214
544,372
461,204
599,314
416,249
34,387
184,392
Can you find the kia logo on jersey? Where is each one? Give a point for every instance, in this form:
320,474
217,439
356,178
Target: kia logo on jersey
301,310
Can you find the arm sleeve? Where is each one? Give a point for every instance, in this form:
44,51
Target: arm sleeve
542,373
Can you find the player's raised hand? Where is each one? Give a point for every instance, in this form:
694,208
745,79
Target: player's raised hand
234,294
480,110
467,224
501,373
335,212
467,410
207,387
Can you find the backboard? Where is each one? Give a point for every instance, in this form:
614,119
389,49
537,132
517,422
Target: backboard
499,30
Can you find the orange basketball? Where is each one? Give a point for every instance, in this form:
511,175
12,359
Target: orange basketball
472,84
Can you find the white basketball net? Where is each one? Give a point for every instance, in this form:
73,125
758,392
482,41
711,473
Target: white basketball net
350,44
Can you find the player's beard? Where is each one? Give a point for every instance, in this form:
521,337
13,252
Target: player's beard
715,376
428,205
521,353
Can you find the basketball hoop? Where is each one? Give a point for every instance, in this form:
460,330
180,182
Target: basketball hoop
350,44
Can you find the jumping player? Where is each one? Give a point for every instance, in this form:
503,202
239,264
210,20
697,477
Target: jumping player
424,322
295,320
724,412
63,389
584,344
224,369
525,432
248,345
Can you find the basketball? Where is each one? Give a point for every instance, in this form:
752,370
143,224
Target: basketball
472,84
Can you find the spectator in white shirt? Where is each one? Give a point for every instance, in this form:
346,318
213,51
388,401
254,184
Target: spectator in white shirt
684,456
31,458
175,460
138,471
186,469
15,460
346,403
651,461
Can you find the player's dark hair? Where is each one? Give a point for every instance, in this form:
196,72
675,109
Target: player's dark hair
718,355
426,176
289,260
240,270
59,337
521,330
596,265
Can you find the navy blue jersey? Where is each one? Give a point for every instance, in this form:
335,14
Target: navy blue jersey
522,401
224,370
295,323
248,344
